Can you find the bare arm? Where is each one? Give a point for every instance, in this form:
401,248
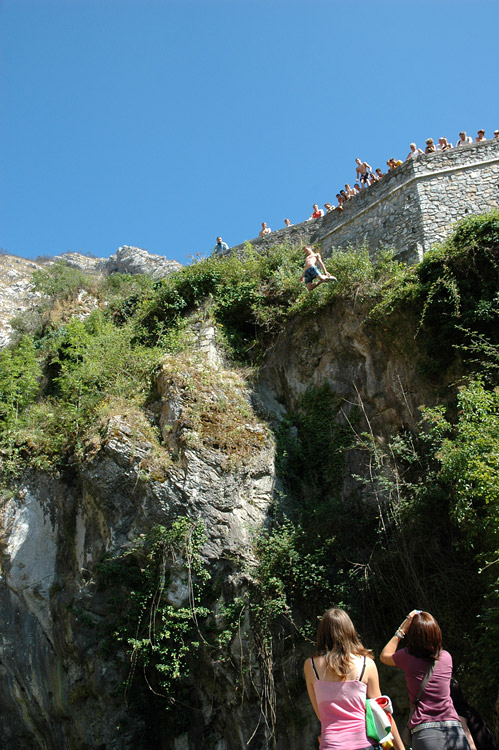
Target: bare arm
397,740
372,679
386,655
320,263
374,691
310,679
467,732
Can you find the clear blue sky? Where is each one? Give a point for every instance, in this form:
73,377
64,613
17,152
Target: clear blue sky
163,123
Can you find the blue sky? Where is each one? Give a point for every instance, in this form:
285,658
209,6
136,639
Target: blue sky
163,124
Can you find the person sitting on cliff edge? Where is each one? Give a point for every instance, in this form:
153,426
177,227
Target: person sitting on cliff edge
311,275
264,230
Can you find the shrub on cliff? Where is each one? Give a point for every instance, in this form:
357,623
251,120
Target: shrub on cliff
453,292
60,280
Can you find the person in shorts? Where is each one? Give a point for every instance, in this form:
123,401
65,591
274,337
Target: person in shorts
362,172
314,272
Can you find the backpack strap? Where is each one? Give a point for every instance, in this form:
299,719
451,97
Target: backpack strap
424,683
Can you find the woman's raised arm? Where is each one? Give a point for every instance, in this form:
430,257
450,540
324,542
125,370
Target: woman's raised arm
386,655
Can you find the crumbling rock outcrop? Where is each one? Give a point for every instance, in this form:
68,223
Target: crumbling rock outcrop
16,291
57,687
133,260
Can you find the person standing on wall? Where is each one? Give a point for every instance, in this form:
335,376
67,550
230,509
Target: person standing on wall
362,172
414,152
464,139
317,213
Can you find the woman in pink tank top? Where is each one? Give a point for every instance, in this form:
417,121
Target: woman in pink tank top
339,678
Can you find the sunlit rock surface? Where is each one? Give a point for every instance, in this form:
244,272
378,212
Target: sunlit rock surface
17,294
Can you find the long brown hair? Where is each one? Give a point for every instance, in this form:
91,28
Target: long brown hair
337,639
424,637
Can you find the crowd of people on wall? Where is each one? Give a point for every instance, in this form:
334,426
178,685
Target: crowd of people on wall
365,176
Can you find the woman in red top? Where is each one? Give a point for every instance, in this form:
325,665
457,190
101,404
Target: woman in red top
434,723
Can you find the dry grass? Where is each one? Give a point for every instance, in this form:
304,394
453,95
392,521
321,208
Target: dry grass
213,408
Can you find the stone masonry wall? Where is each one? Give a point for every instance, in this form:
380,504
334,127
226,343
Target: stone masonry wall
456,183
411,209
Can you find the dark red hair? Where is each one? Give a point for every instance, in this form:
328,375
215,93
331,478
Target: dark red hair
424,637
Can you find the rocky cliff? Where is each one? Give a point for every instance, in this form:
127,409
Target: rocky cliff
57,686
117,634
17,295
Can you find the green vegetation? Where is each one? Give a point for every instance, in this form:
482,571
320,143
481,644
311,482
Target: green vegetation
160,636
436,487
454,292
99,341
423,524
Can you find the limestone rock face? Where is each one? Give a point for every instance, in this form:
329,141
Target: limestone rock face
16,293
375,376
77,260
337,346
58,689
134,260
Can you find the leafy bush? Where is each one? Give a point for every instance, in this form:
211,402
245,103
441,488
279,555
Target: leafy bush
60,280
311,445
20,373
86,362
453,291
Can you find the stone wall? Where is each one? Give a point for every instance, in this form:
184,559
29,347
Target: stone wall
410,209
456,183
